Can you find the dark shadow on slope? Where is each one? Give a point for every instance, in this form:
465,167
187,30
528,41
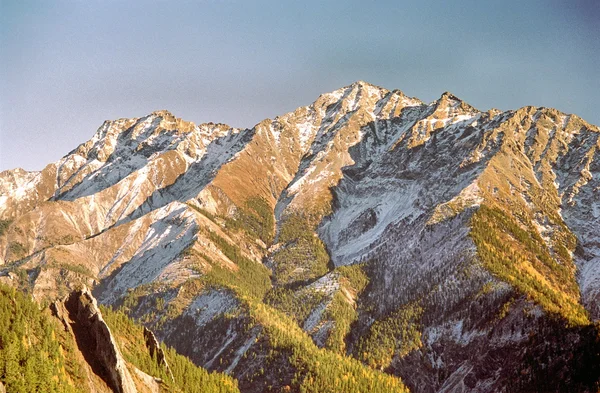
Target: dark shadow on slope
324,135
218,345
374,157
396,255
414,262
559,359
435,169
551,357
103,285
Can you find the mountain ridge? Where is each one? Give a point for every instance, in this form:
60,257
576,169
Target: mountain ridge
419,239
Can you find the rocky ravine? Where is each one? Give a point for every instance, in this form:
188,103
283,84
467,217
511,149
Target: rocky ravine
454,248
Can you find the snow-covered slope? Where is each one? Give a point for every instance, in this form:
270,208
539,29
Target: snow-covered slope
421,239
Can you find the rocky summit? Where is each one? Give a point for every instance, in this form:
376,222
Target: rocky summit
367,242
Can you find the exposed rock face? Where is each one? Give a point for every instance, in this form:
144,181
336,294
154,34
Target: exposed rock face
156,351
476,233
80,314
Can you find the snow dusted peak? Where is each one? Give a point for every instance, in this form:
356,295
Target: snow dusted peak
452,102
214,130
378,101
449,96
16,182
450,109
407,100
162,113
362,83
447,111
212,125
379,93
121,148
369,87
354,90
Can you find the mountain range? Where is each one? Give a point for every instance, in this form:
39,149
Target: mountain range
367,242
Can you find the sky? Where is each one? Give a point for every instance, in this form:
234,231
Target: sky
66,66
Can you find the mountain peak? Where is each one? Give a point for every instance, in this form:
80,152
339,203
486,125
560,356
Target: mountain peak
162,113
449,101
361,83
449,96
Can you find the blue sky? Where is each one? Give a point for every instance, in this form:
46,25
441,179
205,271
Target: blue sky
66,66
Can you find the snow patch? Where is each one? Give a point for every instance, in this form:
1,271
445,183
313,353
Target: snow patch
207,306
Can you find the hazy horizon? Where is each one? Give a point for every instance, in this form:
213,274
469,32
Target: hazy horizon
66,67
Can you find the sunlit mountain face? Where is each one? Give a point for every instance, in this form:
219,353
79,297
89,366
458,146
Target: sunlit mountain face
367,242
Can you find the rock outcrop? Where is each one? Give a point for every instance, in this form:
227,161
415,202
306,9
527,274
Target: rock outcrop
156,352
81,316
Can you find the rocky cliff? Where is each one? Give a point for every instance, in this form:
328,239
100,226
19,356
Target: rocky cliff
81,316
